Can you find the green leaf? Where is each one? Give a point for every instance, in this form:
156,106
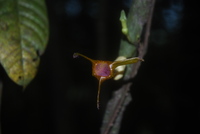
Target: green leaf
23,37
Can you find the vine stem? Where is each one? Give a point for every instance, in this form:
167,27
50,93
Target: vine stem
119,98
117,108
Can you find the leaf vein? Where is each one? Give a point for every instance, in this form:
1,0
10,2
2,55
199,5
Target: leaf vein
9,54
32,29
31,6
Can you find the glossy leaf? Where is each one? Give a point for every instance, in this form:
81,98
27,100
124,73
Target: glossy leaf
23,37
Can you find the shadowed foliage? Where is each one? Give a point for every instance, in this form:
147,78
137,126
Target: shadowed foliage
23,38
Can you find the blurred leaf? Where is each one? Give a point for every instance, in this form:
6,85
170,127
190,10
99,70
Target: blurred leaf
23,37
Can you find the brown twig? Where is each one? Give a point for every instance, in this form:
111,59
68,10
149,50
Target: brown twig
121,97
117,107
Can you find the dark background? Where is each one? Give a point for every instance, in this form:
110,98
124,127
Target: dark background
62,97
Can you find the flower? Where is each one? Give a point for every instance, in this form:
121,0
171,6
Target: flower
104,70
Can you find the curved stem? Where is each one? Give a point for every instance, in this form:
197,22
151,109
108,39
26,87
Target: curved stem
78,54
101,79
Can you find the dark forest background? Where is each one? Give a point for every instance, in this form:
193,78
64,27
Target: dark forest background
62,97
